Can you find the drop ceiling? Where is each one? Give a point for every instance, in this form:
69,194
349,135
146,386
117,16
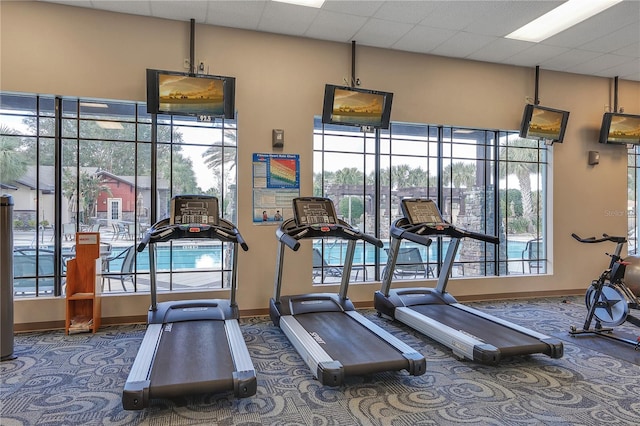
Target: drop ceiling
606,45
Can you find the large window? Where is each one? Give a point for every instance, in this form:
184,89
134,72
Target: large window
483,180
633,174
86,166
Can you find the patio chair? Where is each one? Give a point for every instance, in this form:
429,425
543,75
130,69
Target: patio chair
24,270
409,265
126,271
533,256
120,231
322,269
69,231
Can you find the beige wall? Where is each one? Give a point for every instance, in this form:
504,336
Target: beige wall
54,49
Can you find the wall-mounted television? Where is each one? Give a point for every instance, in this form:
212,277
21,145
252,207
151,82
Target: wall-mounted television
177,93
350,106
540,122
620,128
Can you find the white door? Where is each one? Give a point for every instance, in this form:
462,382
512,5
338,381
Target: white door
114,209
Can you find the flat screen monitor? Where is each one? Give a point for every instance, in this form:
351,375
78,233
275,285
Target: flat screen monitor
314,211
620,128
421,210
351,106
178,93
194,209
540,122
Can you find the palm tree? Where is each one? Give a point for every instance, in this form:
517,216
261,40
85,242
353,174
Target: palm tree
522,161
216,156
349,176
91,186
460,174
13,162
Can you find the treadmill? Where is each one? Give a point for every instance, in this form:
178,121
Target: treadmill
470,333
191,346
331,337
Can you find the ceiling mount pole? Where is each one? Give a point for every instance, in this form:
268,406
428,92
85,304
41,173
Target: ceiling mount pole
615,94
353,63
192,47
536,100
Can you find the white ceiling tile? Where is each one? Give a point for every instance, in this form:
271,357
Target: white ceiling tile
183,11
423,39
353,7
236,14
627,71
632,50
410,12
462,45
599,26
499,18
619,39
288,19
376,32
569,59
599,64
499,49
335,26
535,55
139,7
455,28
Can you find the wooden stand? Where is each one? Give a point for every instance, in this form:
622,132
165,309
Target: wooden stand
83,285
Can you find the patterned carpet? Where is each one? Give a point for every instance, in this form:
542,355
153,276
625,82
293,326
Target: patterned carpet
78,380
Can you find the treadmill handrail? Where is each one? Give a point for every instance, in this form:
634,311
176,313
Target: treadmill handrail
402,229
289,233
162,232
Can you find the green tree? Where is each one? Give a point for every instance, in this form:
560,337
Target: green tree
349,176
351,207
91,186
221,157
459,174
13,160
111,149
522,159
418,177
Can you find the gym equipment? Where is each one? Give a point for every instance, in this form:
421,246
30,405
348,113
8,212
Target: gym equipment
608,299
331,337
632,274
192,346
470,333
6,278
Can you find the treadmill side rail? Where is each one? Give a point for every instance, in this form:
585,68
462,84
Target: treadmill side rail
462,345
555,348
327,370
136,389
244,375
417,364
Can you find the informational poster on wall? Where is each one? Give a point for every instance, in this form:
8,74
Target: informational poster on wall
276,182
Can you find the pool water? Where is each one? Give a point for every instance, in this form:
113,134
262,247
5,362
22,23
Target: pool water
211,256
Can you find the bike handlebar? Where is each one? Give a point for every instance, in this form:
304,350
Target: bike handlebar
605,237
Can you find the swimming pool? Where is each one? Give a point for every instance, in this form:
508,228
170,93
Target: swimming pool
176,258
210,256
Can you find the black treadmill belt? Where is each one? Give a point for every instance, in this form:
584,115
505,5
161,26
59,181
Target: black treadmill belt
192,357
358,349
507,340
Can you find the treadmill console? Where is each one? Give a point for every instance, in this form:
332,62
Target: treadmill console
314,211
194,209
421,211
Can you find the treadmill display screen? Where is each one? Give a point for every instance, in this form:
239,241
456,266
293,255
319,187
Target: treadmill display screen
418,210
314,211
194,209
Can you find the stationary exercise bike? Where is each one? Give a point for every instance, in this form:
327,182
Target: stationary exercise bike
608,299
